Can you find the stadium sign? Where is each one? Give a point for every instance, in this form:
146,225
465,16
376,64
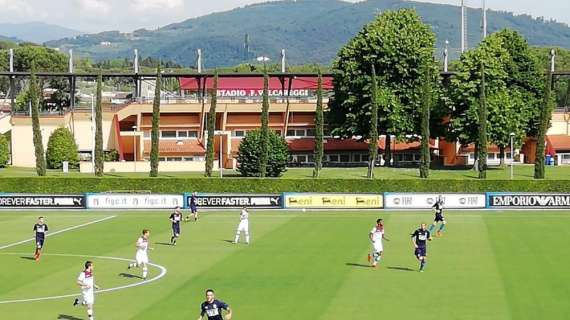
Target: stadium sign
41,201
134,201
427,200
217,200
528,200
333,200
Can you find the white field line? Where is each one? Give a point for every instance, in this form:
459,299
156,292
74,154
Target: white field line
162,269
57,232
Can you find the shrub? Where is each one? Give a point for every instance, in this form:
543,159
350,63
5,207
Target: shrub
111,155
249,155
4,151
62,147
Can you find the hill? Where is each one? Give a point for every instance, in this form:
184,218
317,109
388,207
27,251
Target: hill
37,32
312,31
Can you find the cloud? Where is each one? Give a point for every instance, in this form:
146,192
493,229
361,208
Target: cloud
142,5
94,6
14,9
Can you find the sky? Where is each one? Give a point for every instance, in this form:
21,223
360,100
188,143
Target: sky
128,15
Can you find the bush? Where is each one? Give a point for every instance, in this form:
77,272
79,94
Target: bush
62,147
250,154
255,185
4,151
111,156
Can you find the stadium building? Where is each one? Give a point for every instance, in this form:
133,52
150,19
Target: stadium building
127,127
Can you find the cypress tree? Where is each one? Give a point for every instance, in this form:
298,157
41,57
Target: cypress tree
155,124
211,128
373,143
545,115
319,129
264,156
99,156
35,96
482,141
425,117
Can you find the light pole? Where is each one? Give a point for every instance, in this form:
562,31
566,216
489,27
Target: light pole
135,147
93,132
512,155
263,59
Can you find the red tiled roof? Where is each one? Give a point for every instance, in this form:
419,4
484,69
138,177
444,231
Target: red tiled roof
404,146
559,142
470,148
191,146
308,144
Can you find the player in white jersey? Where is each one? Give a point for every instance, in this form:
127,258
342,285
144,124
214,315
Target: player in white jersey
243,225
141,257
376,236
86,281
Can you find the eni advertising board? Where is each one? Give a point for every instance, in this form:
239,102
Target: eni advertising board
333,200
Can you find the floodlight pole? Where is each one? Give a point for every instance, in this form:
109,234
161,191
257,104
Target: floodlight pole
484,19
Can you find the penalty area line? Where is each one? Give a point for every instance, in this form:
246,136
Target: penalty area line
58,232
162,273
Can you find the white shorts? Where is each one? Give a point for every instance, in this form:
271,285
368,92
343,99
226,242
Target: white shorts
141,258
243,226
88,297
378,246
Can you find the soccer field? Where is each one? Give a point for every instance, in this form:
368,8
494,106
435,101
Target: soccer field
311,265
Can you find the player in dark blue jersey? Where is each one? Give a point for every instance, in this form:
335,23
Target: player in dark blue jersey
175,218
193,207
213,308
420,237
40,232
438,210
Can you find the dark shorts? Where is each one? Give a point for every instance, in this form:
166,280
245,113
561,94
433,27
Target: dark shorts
176,228
193,208
439,218
40,242
420,252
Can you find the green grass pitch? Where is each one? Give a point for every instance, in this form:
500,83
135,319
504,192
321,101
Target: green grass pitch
312,265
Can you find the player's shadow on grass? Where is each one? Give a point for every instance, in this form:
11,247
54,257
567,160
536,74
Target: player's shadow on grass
131,276
401,268
228,241
350,264
163,243
28,258
66,317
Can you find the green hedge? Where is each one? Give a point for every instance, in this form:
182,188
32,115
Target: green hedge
253,185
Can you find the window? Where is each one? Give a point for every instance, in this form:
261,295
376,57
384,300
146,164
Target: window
311,158
364,158
508,155
344,158
311,132
175,159
333,158
182,134
161,159
300,132
188,158
168,134
472,156
147,134
192,134
239,133
290,133
491,156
